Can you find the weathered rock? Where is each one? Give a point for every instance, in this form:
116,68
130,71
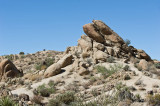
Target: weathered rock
8,69
99,46
83,71
143,55
110,51
99,55
56,68
23,96
107,32
144,64
85,43
90,30
66,60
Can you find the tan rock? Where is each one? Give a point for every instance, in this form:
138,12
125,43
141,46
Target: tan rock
56,68
8,69
144,64
107,32
99,55
110,51
143,55
85,43
89,29
99,46
83,71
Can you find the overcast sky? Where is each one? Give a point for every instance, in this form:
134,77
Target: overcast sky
34,25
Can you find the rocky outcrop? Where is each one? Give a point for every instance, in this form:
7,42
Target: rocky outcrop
143,55
56,68
8,69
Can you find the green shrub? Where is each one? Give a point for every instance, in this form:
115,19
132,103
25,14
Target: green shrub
44,91
128,42
21,53
110,59
157,65
67,98
108,72
126,67
6,101
43,66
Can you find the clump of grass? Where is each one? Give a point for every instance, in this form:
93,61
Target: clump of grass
106,72
66,98
153,99
6,101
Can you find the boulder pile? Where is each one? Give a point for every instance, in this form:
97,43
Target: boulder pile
99,43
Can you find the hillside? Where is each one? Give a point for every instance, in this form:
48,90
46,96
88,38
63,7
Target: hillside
102,70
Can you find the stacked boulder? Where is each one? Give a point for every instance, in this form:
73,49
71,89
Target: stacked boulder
99,43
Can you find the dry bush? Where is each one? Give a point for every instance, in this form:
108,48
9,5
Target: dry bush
37,99
153,99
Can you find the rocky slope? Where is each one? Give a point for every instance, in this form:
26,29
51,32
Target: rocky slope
101,70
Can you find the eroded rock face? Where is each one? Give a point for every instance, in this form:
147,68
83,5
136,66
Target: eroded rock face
8,69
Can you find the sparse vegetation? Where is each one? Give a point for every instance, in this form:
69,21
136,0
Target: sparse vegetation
7,101
153,99
45,65
46,91
106,72
157,65
128,42
37,99
21,53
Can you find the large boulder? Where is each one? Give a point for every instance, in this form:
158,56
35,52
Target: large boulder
107,32
8,69
85,43
143,55
90,30
143,64
55,68
99,55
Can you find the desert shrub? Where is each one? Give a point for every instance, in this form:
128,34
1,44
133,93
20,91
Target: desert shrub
153,99
6,101
157,65
37,99
45,65
21,53
10,57
106,72
110,59
54,102
138,97
126,67
66,98
128,42
45,91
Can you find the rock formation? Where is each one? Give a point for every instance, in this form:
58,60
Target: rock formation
8,69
